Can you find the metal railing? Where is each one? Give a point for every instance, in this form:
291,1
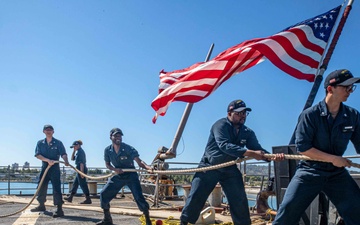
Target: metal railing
11,178
154,187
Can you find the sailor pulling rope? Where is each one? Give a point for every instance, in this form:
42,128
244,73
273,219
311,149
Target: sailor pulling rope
269,156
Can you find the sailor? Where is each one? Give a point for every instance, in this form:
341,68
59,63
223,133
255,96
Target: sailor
118,156
323,133
80,160
229,139
49,150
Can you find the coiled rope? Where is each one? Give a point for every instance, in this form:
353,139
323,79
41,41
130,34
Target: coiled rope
201,169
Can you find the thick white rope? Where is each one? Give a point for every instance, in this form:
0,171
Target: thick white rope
201,169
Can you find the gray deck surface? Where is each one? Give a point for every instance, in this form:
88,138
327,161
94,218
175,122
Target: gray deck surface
124,211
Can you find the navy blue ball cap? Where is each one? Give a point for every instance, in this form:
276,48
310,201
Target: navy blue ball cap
115,131
237,106
48,126
78,142
341,77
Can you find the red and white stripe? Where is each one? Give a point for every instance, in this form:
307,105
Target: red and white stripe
296,51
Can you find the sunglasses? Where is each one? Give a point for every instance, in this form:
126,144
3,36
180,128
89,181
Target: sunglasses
350,88
242,113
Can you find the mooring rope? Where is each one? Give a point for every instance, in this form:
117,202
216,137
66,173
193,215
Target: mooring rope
303,157
32,199
201,169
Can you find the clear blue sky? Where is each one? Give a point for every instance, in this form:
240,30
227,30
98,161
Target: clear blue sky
88,66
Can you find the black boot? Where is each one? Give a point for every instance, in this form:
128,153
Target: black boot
107,218
147,218
87,200
183,223
69,198
39,208
59,212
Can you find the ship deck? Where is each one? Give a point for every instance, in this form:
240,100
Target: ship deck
123,211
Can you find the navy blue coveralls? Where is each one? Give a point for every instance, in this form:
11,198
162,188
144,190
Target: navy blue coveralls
52,151
317,128
224,145
80,157
123,160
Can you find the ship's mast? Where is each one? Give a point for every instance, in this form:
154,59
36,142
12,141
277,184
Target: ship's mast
171,153
325,63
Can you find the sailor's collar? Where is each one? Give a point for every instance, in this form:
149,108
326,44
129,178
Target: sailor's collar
241,126
121,149
325,112
53,140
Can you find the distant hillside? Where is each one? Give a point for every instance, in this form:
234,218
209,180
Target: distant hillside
257,170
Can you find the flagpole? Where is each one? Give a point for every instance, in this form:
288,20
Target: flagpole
171,153
323,67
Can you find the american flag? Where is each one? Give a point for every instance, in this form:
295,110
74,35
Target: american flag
297,50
